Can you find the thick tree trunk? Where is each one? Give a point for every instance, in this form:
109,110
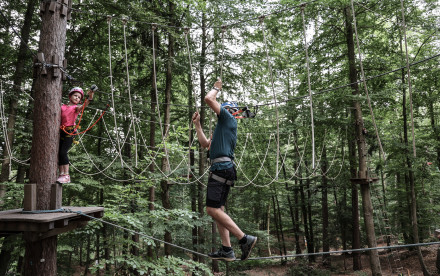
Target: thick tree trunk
356,234
45,139
362,153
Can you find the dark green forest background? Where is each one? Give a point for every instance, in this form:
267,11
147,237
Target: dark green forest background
304,207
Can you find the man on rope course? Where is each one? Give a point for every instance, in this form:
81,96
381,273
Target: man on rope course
69,114
222,174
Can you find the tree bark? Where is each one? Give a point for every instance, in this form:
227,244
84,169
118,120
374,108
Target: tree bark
40,256
324,202
166,202
311,240
356,234
200,188
361,146
280,222
413,210
152,141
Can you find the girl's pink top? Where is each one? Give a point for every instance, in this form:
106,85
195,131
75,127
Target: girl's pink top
68,115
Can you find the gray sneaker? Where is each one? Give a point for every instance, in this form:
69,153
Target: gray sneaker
222,255
247,247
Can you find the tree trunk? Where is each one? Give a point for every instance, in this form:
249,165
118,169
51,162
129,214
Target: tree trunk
311,240
362,153
275,220
152,141
166,202
200,188
278,210
324,202
45,139
292,213
193,190
298,249
356,234
413,210
6,252
304,214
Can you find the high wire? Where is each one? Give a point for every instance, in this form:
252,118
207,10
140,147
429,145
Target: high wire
256,258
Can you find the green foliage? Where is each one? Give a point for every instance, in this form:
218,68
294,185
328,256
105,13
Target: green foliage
124,184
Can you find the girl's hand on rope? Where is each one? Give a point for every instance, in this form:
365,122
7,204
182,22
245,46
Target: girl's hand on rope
196,119
92,90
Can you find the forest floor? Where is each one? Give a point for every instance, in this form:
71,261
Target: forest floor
342,265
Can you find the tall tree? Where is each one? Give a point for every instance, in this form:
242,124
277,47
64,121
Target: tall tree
361,147
45,138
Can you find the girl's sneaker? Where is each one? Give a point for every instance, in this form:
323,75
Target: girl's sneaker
63,179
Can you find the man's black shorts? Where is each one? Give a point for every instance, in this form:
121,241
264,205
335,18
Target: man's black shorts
217,192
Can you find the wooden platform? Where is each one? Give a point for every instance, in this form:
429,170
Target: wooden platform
39,226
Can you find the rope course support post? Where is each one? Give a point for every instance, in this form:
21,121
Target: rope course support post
112,88
408,70
261,18
124,22
364,82
309,85
153,29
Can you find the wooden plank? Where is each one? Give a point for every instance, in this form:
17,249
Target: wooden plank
35,236
56,196
61,223
16,221
52,6
56,70
30,197
19,226
16,215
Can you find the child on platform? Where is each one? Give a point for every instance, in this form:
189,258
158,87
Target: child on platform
69,114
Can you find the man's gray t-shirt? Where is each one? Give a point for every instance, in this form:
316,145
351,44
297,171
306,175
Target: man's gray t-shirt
224,140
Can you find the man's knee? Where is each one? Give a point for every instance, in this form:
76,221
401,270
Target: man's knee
211,211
